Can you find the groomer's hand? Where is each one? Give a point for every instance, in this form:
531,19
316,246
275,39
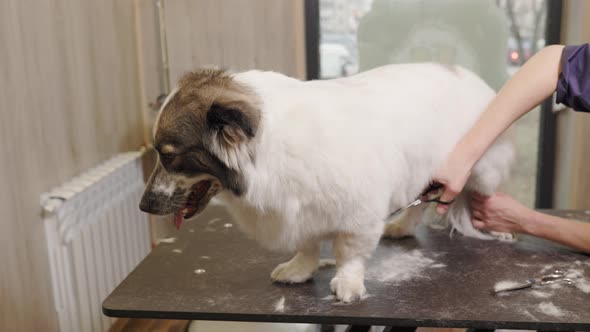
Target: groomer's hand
453,175
500,213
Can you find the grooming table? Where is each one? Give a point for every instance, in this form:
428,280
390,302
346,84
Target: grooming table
443,282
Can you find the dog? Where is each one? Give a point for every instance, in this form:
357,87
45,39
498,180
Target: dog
299,162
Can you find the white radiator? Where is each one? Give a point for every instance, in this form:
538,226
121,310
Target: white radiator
96,235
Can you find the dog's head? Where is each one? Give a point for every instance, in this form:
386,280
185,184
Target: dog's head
202,138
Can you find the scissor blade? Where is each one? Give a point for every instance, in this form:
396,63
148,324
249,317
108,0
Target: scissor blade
398,211
527,284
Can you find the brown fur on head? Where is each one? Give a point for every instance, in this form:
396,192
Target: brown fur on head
202,137
211,98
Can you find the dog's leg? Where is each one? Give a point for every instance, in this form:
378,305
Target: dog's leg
301,267
459,217
487,175
404,225
350,251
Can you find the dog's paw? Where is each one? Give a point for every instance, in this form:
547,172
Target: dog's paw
397,230
293,272
348,288
509,237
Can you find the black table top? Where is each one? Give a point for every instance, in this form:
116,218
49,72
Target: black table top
431,280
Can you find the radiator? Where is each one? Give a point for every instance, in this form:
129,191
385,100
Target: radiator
95,235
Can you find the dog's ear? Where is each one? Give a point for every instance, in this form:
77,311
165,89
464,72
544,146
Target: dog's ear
235,121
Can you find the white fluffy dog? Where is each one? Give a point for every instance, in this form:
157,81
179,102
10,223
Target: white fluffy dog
298,162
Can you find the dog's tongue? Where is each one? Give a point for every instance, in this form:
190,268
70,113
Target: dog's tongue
178,219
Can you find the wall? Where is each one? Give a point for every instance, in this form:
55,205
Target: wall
572,178
236,34
232,34
75,80
69,98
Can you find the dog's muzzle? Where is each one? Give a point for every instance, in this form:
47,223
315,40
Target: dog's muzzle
155,203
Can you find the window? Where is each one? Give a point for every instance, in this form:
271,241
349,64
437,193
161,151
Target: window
493,38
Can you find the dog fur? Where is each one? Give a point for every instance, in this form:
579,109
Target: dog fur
299,162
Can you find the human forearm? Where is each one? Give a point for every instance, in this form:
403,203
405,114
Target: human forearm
532,84
571,233
502,213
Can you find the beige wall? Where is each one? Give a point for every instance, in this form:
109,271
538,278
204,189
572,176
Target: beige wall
572,177
236,34
75,80
233,34
69,98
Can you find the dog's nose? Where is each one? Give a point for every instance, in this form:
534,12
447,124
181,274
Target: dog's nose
148,204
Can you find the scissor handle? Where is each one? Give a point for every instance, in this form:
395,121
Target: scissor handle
443,202
432,187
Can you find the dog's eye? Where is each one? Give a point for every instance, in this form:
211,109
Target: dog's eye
167,157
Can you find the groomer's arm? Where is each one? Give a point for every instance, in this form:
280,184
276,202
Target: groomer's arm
572,233
532,84
502,213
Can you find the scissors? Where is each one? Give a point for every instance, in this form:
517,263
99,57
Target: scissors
431,194
555,277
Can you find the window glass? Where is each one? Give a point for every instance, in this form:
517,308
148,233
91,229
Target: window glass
493,38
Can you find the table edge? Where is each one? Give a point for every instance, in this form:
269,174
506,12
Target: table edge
314,319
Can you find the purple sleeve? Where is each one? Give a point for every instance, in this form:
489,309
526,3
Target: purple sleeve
573,86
